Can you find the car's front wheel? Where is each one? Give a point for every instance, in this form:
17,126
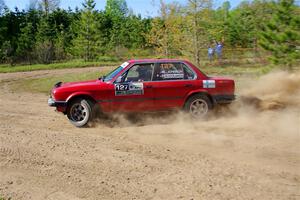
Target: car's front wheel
80,112
198,106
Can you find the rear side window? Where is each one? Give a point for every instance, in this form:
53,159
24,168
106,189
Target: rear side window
188,73
172,71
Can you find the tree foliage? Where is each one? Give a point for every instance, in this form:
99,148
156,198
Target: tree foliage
198,18
116,8
281,35
26,42
87,43
48,5
44,33
165,35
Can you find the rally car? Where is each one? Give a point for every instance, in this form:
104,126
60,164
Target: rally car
142,86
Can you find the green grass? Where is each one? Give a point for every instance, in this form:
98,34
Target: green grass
64,65
237,70
44,85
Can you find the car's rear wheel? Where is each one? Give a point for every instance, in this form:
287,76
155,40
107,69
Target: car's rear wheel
80,112
198,106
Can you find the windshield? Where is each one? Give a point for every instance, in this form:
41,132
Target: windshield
113,73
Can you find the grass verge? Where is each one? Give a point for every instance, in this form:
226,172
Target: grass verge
64,65
44,85
236,70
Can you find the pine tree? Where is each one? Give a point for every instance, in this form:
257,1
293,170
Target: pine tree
117,11
48,5
60,43
281,36
45,36
26,42
116,8
87,43
6,52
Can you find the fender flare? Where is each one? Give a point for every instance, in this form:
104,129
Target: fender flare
76,94
203,91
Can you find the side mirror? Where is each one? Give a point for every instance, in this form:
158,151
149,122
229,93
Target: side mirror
102,78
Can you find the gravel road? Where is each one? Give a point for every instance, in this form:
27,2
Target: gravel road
246,152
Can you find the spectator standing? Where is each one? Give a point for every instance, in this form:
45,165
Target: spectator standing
218,50
210,52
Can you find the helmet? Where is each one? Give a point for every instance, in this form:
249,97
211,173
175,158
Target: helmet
142,69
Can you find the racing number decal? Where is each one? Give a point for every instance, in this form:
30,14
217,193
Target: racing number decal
129,89
121,87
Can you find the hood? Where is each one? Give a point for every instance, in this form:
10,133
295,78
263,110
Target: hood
79,84
61,91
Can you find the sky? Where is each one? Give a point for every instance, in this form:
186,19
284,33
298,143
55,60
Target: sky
143,7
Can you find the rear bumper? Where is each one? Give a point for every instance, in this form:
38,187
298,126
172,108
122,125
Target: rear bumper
53,103
223,99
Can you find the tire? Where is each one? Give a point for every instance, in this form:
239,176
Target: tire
198,106
80,112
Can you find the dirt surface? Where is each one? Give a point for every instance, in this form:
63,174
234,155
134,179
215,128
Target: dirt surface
250,150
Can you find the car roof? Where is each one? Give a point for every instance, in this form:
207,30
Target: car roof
155,60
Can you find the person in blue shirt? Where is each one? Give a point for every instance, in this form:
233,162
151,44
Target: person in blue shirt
210,52
218,50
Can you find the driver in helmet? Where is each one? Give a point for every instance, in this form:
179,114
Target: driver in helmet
144,73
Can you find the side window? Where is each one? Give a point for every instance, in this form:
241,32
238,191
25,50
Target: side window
169,71
139,73
188,73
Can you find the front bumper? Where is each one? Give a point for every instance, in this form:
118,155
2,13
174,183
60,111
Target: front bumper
53,103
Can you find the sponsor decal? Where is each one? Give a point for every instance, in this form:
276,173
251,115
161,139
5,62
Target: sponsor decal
172,74
209,84
129,89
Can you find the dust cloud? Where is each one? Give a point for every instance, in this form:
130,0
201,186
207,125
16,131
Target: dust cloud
274,90
261,127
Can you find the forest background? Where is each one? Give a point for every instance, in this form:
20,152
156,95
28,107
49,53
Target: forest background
255,32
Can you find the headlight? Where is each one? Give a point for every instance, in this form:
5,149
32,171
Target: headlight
51,95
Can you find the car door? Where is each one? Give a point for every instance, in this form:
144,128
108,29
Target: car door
133,91
172,81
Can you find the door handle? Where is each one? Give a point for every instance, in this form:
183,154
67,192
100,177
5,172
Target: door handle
148,86
188,85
